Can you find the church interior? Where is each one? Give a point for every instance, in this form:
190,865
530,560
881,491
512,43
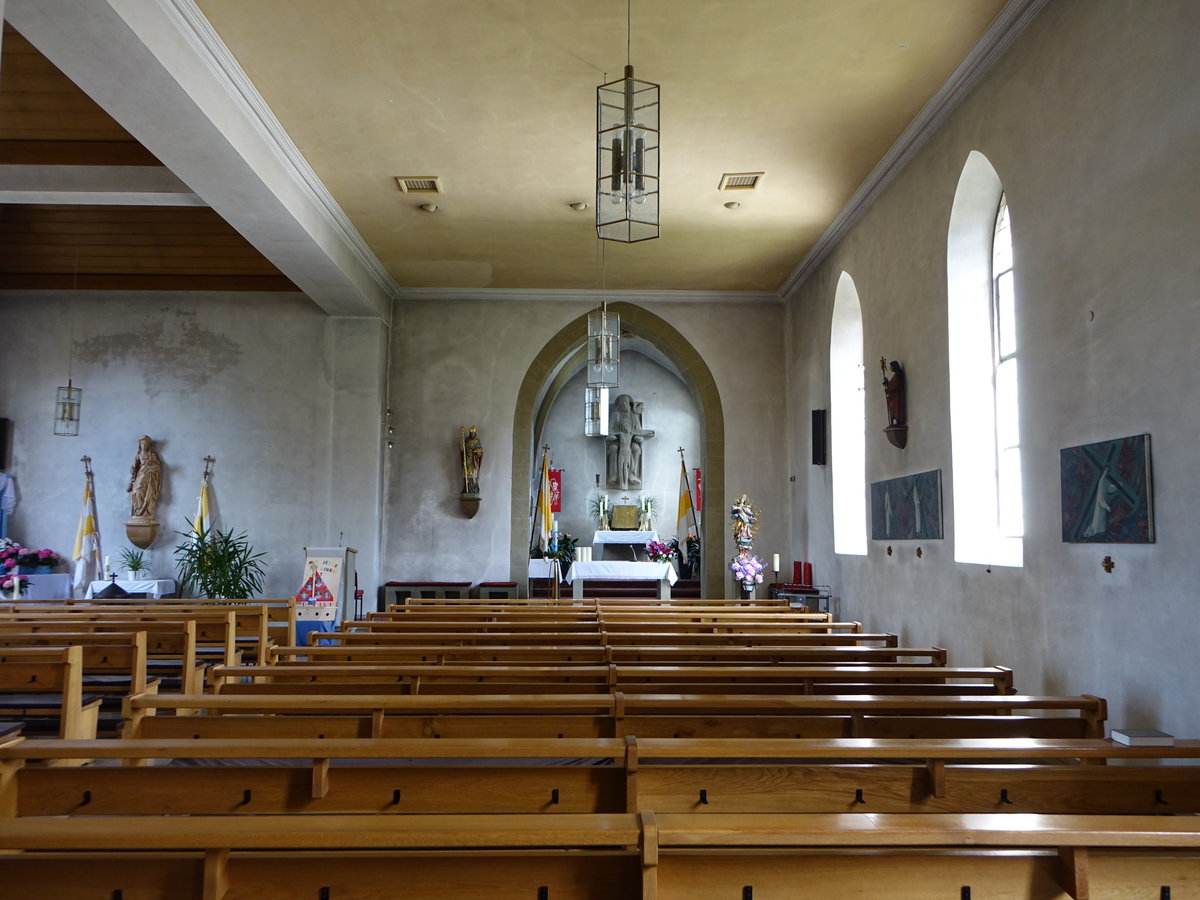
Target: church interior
305,246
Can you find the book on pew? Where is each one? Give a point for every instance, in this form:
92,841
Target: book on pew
1143,737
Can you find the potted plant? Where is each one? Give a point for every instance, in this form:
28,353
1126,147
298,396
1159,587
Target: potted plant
565,554
134,562
219,564
692,565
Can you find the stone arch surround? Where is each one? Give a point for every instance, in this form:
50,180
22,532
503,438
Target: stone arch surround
699,379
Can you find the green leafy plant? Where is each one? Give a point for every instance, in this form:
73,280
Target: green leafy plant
567,543
599,507
219,564
133,560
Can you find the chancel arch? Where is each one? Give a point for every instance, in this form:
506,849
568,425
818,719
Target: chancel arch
684,377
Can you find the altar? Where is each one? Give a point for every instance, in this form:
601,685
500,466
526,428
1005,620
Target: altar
52,586
153,588
611,570
634,539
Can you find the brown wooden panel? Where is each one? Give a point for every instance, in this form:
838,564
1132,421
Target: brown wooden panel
40,103
128,248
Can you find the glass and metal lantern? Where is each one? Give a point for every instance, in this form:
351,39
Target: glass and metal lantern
627,158
604,349
595,412
66,410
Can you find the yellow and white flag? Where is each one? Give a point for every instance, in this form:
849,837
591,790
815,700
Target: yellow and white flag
202,522
683,523
87,554
544,502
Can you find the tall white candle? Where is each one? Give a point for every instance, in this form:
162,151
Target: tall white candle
16,583
776,569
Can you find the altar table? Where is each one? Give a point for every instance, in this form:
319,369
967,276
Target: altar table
608,570
151,587
634,538
52,586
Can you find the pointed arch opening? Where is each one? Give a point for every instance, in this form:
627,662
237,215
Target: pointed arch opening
546,375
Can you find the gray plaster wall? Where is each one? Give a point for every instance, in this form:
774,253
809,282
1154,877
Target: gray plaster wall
287,400
461,362
1092,121
672,414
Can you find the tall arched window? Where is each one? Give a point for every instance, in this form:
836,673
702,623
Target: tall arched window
848,421
984,414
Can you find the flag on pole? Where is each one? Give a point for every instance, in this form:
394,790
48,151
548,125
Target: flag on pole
682,525
544,509
201,522
87,554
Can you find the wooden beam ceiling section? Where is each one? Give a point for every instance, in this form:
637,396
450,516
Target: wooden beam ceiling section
46,120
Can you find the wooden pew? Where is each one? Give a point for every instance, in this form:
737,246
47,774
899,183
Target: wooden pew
495,678
336,651
677,855
553,776
616,715
44,685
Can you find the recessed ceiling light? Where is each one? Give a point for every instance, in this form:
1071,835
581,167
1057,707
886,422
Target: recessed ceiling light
732,204
578,206
429,207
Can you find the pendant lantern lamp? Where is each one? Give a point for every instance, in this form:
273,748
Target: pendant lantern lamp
604,348
66,410
627,156
595,412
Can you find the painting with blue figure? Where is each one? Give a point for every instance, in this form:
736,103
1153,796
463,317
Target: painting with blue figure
1106,492
907,508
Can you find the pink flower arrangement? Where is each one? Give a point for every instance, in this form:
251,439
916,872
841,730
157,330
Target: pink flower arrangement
6,584
14,556
657,551
747,569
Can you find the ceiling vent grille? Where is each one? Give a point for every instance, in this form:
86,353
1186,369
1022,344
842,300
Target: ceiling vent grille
740,181
419,184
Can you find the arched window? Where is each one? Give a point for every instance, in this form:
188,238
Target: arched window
984,415
848,421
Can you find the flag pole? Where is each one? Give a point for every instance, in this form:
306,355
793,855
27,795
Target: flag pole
533,505
691,500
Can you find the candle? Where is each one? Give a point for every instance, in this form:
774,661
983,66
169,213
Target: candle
776,568
16,583
106,566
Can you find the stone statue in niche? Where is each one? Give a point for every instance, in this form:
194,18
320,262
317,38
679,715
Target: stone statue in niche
626,438
471,449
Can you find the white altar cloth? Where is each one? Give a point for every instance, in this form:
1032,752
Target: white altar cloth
612,570
152,587
624,537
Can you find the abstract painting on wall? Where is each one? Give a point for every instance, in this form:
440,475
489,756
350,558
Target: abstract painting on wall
1106,492
907,508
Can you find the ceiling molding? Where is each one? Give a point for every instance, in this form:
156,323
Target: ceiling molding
587,296
1005,28
209,47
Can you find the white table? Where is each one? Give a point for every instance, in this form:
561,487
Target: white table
54,586
608,570
633,538
153,587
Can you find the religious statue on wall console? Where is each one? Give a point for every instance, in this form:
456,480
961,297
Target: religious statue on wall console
626,438
470,449
894,393
145,486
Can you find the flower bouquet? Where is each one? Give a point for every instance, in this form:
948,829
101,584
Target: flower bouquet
657,551
748,570
7,582
25,560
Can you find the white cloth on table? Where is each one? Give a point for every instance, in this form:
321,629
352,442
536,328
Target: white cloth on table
52,586
539,568
624,537
155,587
613,570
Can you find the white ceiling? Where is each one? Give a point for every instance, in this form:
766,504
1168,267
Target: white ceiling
292,118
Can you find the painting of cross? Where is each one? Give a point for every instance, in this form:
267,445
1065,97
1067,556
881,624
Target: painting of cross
1106,497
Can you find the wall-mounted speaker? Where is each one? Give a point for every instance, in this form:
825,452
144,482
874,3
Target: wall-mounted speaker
820,437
